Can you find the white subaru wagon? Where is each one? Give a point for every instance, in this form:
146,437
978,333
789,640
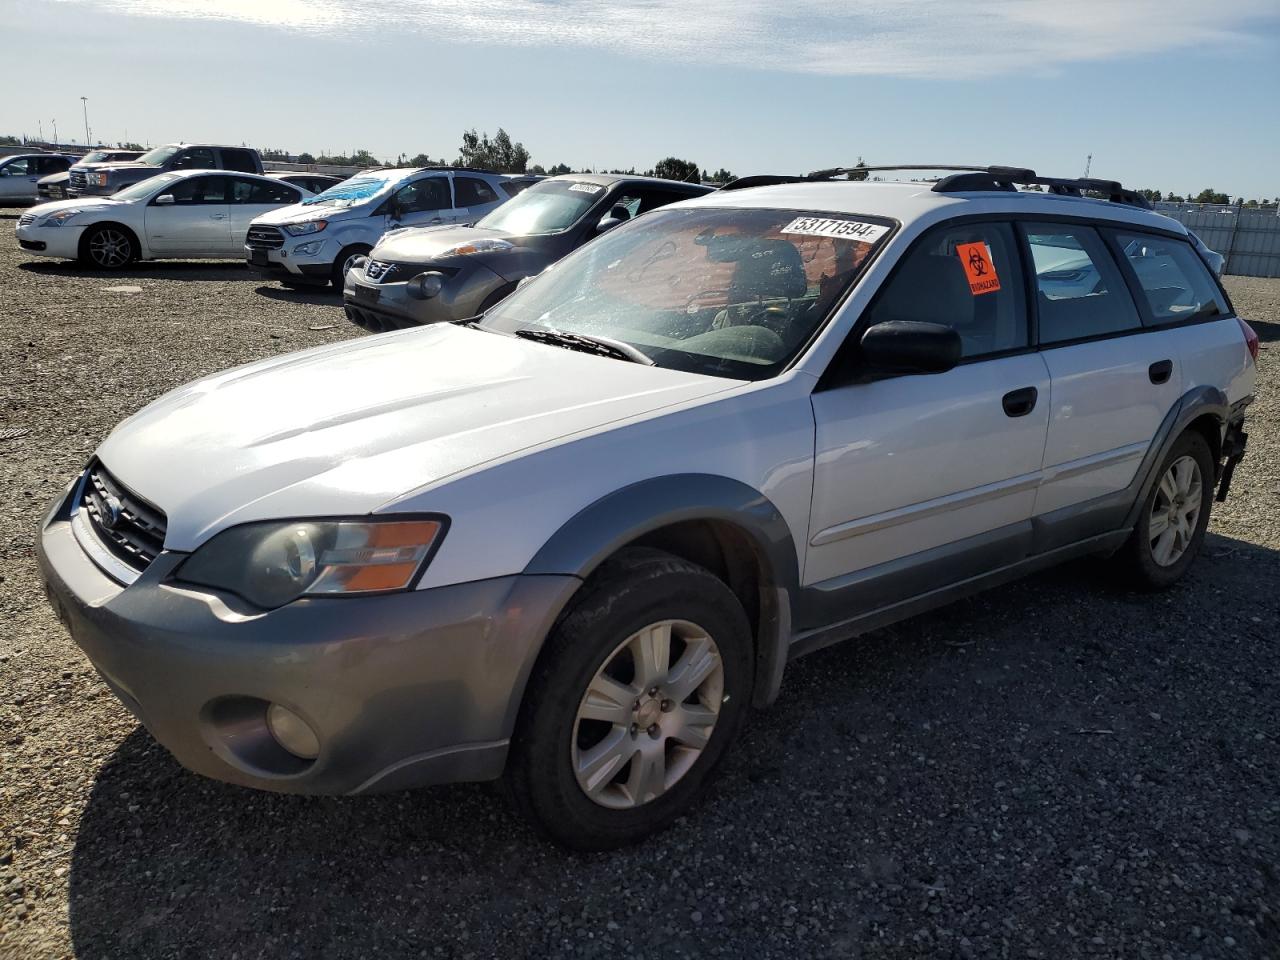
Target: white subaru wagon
574,542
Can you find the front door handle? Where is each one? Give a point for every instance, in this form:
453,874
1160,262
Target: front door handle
1018,403
1160,371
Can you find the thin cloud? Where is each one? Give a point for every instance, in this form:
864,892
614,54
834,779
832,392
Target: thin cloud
906,38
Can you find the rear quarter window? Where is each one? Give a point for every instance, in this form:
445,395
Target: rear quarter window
1174,280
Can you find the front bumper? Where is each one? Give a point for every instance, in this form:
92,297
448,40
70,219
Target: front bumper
388,306
63,242
402,690
280,264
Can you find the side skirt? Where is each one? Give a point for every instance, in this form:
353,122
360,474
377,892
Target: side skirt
810,640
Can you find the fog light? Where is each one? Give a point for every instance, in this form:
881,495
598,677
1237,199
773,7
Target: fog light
292,732
425,285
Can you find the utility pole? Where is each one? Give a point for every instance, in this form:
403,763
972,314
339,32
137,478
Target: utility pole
55,132
1087,164
84,102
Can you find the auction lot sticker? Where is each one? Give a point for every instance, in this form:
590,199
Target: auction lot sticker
586,188
838,229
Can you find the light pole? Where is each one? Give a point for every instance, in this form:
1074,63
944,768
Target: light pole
84,101
55,132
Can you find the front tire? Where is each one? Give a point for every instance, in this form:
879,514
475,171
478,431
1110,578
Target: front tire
343,261
639,692
1172,522
108,247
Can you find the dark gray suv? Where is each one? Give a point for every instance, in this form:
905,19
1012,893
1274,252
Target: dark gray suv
429,274
104,179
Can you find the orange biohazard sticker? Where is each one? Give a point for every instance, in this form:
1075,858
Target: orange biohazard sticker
978,268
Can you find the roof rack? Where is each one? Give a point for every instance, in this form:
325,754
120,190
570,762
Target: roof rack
968,179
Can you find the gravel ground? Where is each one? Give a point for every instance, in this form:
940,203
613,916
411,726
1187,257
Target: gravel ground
1056,769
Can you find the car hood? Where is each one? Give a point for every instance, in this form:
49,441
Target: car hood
82,203
425,244
120,165
302,212
56,177
345,429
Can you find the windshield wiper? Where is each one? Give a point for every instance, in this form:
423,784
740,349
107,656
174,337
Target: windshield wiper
600,346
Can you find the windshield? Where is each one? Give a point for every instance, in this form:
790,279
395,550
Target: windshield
546,207
96,156
354,191
142,189
729,292
157,157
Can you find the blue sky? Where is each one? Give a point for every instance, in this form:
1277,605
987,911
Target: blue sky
1173,94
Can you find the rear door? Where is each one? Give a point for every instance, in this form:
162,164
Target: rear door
921,480
196,223
1113,379
473,198
250,197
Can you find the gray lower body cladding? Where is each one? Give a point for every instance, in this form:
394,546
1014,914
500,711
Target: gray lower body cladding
401,690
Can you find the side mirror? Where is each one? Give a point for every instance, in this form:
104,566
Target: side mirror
607,223
164,200
909,346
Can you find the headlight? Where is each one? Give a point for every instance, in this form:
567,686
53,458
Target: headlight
308,249
302,229
59,218
488,245
425,285
271,564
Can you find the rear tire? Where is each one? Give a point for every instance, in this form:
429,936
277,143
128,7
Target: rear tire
338,276
1172,522
634,701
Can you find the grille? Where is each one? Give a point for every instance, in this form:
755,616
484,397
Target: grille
264,238
26,218
128,527
382,271
78,179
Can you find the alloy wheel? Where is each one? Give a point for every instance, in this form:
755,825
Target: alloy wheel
647,714
1175,511
110,248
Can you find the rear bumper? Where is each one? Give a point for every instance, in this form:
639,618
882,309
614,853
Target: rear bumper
401,690
1235,443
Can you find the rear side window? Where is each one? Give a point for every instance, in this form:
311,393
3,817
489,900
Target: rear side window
277,192
196,158
512,187
47,165
967,277
1079,290
241,160
1174,280
472,192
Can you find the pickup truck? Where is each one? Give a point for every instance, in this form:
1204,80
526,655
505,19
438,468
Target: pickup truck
104,179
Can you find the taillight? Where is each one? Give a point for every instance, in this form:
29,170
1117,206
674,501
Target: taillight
1250,338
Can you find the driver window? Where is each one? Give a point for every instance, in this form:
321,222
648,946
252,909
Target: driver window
966,277
198,190
423,196
18,168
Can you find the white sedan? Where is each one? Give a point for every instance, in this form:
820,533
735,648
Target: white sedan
186,215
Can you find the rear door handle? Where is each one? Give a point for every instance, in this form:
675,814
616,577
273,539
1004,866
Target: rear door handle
1018,403
1160,371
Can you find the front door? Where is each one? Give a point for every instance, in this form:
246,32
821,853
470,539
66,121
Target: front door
473,198
931,478
195,224
18,180
425,202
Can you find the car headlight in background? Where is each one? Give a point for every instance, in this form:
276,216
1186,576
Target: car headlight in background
308,249
59,218
303,229
102,179
488,245
271,564
425,285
